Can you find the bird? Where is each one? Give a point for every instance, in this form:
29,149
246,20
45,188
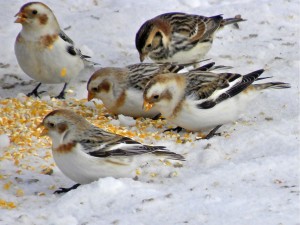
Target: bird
85,153
198,102
43,51
179,37
121,88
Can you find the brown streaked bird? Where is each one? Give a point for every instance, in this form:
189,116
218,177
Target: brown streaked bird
179,37
85,153
198,102
121,89
44,52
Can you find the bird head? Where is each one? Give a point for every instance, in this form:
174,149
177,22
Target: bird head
62,125
152,37
163,91
37,16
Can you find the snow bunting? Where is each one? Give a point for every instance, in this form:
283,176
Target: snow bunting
121,89
179,37
85,153
201,101
43,50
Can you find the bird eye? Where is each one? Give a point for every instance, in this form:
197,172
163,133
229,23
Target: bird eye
51,125
149,46
94,89
156,97
34,12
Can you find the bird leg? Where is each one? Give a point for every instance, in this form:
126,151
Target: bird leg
65,190
35,92
212,133
62,93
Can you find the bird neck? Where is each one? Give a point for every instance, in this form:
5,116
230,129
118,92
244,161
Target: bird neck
33,33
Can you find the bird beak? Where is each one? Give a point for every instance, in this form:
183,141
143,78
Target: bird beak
142,57
44,131
22,18
90,96
147,106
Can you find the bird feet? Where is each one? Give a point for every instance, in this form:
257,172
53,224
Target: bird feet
65,190
212,133
35,91
61,95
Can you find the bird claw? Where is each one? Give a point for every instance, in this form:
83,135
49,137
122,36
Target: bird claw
61,95
35,93
212,133
65,190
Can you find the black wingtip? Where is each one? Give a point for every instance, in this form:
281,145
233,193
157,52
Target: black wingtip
254,75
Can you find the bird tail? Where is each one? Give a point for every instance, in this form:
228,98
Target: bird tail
169,155
274,85
87,62
233,21
247,80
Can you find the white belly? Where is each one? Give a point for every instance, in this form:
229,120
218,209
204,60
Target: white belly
83,168
194,119
193,55
48,65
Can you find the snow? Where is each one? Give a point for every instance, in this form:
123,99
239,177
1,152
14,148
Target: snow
126,121
248,175
4,141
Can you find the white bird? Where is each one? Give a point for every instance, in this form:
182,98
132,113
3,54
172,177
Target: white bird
85,153
197,102
43,50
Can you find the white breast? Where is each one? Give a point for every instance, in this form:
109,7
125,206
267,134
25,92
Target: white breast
48,65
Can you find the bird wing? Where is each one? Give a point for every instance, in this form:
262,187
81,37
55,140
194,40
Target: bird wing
104,144
191,29
71,48
140,74
203,85
65,37
224,87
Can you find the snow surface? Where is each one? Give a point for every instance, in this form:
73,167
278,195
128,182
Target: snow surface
250,177
4,141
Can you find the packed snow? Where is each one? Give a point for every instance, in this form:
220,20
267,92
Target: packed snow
248,175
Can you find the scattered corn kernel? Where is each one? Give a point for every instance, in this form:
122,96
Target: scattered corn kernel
19,193
7,185
7,205
47,171
138,172
153,174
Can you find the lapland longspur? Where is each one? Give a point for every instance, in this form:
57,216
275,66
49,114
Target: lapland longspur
179,37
